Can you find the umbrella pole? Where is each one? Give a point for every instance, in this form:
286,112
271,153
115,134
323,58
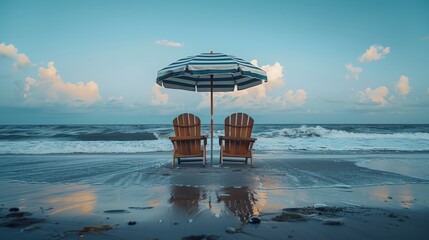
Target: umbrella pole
211,120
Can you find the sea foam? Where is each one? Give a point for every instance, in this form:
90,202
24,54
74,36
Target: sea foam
63,139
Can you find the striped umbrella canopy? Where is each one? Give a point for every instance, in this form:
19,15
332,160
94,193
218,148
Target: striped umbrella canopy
195,73
211,72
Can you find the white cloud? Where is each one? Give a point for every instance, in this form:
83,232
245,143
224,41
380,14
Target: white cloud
297,98
374,53
259,96
402,86
158,98
51,89
10,51
274,74
353,72
377,95
22,60
169,43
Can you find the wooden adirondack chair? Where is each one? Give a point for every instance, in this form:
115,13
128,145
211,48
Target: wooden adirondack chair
237,142
187,142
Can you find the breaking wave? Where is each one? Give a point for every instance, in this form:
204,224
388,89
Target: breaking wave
318,131
63,139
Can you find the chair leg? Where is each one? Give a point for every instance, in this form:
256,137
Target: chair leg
178,161
251,158
245,162
204,157
172,162
221,157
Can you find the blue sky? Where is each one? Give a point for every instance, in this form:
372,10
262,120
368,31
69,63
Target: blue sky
81,61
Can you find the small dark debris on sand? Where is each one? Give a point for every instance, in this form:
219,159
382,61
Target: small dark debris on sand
95,228
17,219
333,222
140,208
289,217
116,211
392,215
233,230
201,237
325,211
254,220
329,214
21,222
18,214
14,209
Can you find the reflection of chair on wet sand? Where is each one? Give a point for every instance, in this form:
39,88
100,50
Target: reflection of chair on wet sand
186,198
187,142
240,201
237,142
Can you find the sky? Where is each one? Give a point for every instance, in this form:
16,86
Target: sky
96,62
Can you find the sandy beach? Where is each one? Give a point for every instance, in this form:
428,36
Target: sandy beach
138,196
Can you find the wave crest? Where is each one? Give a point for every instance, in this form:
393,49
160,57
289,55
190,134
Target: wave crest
318,131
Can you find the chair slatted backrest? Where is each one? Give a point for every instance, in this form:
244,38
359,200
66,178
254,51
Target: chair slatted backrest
187,125
238,125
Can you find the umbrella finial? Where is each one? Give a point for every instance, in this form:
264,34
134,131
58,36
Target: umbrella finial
211,52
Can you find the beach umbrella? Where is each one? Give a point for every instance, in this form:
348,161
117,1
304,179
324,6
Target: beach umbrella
211,72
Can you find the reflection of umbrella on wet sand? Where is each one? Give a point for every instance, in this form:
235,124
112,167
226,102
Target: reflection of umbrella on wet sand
211,72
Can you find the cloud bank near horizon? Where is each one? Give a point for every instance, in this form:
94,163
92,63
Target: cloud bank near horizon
50,89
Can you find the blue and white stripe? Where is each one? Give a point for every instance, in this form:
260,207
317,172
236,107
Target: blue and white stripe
193,73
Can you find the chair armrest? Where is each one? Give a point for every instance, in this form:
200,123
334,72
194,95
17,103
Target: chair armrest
221,138
187,138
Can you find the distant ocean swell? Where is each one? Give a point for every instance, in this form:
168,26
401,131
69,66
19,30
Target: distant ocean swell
62,139
113,136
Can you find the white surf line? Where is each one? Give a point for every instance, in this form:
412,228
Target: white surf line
139,179
123,179
131,179
316,177
103,178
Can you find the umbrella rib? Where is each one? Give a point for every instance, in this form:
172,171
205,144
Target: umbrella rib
196,82
233,78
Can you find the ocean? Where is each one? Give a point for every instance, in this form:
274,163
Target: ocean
344,138
286,156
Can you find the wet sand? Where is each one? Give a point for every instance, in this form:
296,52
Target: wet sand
140,197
